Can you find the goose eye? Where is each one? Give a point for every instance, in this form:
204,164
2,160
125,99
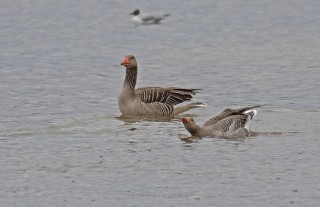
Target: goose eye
191,120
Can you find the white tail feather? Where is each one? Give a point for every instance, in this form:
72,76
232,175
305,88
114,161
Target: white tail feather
180,109
251,114
198,104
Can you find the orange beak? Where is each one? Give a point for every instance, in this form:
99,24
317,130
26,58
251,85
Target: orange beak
185,120
125,61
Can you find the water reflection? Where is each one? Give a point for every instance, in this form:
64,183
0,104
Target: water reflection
133,119
190,139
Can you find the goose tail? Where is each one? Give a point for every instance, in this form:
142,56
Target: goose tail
180,109
250,115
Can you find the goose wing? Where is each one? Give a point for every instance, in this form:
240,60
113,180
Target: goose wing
239,133
226,113
231,123
171,96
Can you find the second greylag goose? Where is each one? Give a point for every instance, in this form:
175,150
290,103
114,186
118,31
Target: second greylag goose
151,101
231,123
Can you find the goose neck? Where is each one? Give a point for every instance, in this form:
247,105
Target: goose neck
131,78
194,130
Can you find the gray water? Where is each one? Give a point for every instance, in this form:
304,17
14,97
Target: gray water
63,142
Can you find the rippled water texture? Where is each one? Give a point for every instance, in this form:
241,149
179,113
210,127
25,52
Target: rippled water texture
63,142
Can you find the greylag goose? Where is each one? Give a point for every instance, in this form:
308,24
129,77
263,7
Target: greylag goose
151,101
146,19
231,123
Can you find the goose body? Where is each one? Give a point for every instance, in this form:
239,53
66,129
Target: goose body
151,101
231,123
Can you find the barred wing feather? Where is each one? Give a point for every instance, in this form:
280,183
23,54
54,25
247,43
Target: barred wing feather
171,96
226,113
231,123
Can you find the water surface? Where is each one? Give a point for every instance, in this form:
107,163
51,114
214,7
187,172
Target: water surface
63,142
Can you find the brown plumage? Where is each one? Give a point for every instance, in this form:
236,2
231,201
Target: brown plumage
227,113
151,101
231,123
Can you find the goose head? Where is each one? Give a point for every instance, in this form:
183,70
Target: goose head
190,125
129,62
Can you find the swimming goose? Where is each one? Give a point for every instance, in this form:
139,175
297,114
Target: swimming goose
231,123
151,101
146,19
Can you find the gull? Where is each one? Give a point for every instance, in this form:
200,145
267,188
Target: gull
146,19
